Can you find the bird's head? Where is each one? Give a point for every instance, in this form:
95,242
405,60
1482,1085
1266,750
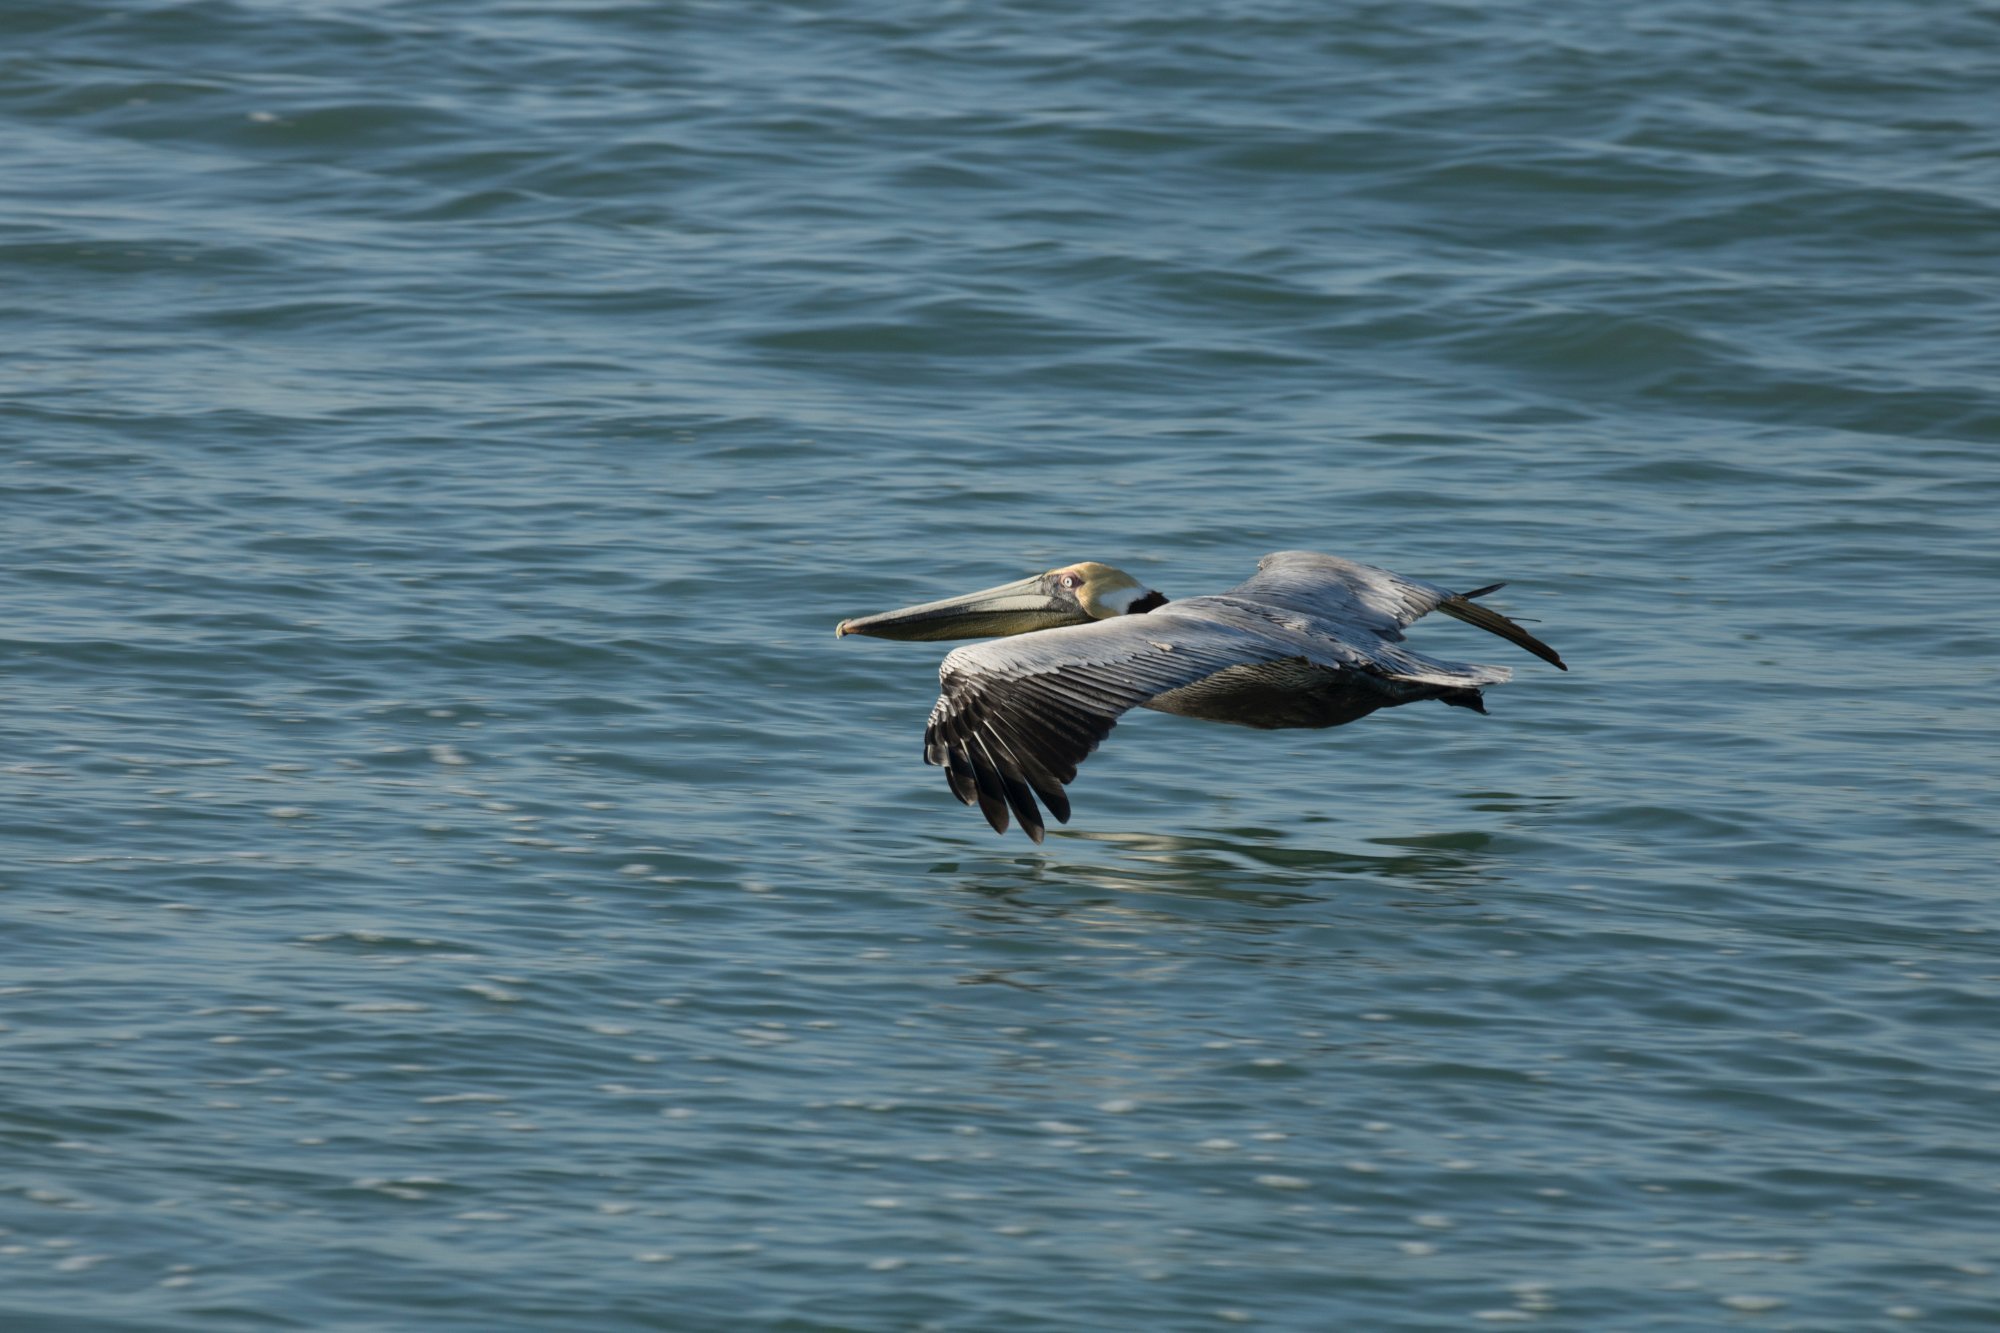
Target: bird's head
1073,595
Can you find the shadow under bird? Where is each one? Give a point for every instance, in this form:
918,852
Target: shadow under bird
1310,640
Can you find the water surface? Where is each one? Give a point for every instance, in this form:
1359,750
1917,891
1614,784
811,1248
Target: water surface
455,880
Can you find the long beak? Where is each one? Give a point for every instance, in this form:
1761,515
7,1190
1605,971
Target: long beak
1011,608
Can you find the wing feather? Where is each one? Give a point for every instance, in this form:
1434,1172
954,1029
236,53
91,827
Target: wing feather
1353,596
1486,618
1015,716
1344,593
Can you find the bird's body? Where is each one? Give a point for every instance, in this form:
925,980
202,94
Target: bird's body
1309,641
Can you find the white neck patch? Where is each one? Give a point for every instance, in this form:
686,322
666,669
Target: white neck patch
1117,601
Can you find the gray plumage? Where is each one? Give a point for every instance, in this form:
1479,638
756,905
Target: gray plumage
1309,641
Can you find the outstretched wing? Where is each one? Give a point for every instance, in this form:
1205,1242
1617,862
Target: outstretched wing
1351,596
1015,716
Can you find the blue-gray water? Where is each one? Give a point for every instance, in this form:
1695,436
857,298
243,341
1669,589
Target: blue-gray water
454,880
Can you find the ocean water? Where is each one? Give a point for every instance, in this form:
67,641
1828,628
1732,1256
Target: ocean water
453,879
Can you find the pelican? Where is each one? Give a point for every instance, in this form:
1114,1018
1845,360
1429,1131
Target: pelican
1309,640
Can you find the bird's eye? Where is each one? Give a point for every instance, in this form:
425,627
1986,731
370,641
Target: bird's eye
1070,580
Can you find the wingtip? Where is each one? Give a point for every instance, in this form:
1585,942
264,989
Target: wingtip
1458,608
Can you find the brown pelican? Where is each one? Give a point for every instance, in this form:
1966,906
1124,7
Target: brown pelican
1308,641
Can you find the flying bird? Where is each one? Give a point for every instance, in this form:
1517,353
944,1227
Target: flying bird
1310,640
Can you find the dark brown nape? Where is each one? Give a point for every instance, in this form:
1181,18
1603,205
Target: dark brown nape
1152,601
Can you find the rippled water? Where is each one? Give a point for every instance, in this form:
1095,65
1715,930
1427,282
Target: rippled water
455,880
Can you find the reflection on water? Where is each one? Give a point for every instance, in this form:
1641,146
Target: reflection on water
1236,883
1250,866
